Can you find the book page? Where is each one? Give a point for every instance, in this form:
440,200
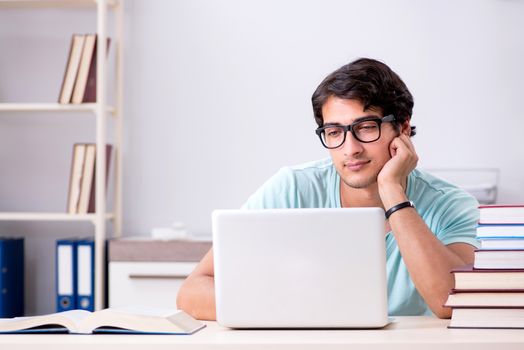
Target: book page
77,316
142,311
137,319
67,319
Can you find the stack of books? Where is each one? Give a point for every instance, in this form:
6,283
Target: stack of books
79,83
490,293
82,182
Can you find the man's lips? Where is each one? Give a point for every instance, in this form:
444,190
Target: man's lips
354,166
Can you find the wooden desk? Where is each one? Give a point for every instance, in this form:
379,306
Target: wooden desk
418,332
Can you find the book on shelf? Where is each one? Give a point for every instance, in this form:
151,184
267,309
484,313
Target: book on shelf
91,195
85,85
71,70
11,277
82,183
499,259
75,178
131,320
501,214
501,230
485,299
487,318
87,178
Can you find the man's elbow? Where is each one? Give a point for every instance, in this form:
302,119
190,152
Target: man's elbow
442,312
182,298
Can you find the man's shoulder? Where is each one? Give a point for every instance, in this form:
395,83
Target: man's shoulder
422,178
431,190
307,185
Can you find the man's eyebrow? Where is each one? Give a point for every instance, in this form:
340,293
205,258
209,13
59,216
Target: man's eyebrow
366,117
359,119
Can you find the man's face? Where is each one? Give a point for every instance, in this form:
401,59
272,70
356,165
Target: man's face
357,163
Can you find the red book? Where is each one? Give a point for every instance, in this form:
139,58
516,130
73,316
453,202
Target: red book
72,67
92,196
85,85
86,187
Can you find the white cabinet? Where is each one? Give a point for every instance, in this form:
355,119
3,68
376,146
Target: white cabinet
149,272
153,284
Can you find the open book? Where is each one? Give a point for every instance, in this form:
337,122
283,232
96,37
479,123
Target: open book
133,320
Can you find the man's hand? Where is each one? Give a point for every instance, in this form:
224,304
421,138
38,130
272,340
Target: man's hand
392,179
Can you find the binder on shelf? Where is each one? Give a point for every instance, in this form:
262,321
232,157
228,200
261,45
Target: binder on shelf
66,274
85,274
72,67
11,277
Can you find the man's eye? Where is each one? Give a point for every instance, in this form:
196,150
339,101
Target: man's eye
366,127
333,132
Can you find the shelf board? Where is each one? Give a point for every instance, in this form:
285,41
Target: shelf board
52,3
39,216
51,107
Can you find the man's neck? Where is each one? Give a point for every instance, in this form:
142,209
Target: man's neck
359,197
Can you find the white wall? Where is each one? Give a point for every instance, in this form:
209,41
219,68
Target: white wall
217,98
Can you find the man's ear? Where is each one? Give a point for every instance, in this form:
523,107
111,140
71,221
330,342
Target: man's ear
405,128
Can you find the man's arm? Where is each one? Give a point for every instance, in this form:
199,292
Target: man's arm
428,261
197,294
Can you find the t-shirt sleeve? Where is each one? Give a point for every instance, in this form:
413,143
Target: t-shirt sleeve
458,219
279,191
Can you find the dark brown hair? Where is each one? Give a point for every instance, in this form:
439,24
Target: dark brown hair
370,82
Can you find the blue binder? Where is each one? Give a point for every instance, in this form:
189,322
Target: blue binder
85,274
65,274
11,277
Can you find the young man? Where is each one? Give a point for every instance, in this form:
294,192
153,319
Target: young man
363,111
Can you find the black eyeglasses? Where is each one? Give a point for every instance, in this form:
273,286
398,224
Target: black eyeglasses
366,130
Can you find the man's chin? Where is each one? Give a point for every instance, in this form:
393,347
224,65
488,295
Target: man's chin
360,183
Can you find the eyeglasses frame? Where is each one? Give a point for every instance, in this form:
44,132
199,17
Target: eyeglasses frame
387,119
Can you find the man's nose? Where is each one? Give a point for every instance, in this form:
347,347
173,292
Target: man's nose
351,146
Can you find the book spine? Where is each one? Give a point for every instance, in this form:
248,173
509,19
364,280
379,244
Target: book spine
92,197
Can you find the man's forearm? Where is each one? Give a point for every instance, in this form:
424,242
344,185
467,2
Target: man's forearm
197,297
428,261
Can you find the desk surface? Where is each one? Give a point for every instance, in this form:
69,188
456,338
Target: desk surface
408,332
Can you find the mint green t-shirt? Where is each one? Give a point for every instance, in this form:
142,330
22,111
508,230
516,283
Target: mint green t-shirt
450,213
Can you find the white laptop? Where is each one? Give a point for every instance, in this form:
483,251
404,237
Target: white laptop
300,268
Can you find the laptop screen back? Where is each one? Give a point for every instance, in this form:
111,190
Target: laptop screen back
300,268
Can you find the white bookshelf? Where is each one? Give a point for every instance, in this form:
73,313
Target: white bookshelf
52,107
101,112
37,216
